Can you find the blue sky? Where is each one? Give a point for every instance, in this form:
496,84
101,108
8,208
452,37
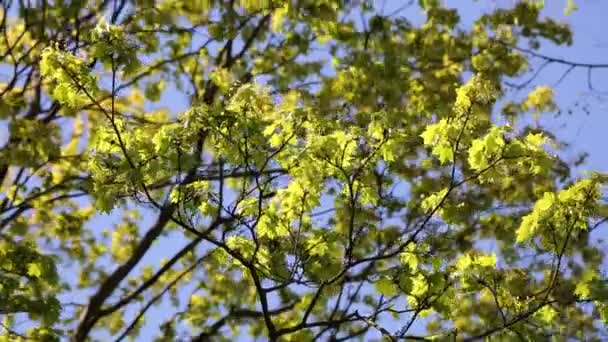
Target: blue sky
586,132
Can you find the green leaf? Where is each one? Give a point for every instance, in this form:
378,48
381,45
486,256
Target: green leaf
386,287
34,270
547,314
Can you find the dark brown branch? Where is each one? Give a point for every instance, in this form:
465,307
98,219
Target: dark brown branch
92,313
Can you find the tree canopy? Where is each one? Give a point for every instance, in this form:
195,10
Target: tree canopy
337,172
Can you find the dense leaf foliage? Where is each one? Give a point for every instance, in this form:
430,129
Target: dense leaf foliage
338,173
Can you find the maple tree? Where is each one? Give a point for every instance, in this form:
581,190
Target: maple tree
337,174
